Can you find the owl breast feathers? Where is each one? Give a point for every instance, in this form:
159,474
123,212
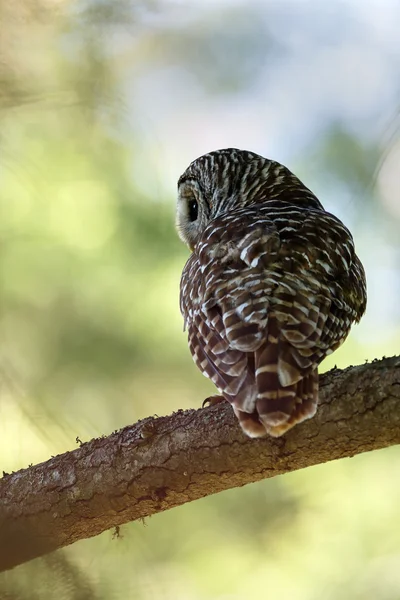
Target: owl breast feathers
272,286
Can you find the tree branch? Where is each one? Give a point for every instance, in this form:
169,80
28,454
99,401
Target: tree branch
160,463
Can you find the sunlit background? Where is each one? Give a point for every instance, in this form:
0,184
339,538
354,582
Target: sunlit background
103,104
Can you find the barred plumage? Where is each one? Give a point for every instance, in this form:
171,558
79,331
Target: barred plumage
272,286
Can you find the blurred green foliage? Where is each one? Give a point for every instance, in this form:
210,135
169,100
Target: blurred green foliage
91,335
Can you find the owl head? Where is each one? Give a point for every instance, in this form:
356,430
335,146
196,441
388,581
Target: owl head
231,179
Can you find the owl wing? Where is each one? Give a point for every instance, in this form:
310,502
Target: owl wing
228,369
272,291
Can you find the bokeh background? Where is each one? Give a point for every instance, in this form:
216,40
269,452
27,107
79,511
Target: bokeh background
103,103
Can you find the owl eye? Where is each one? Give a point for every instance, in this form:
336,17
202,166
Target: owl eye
193,210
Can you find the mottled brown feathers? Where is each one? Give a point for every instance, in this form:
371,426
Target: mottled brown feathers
272,286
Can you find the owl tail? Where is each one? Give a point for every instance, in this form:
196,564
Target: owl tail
286,395
289,406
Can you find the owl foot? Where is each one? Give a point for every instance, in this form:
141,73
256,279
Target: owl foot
212,401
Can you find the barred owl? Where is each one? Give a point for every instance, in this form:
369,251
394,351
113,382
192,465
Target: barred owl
272,286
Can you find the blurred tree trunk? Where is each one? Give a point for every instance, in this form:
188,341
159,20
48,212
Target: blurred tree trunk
160,463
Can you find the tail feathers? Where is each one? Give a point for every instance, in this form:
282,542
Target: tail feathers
250,423
277,414
306,400
276,399
287,386
271,389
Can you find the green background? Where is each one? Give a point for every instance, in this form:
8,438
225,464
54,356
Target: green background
102,106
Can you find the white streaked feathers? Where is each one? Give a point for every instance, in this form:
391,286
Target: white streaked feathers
272,287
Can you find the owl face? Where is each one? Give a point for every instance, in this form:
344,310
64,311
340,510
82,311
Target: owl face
193,211
214,184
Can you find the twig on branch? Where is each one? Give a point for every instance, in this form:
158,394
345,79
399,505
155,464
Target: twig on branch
160,463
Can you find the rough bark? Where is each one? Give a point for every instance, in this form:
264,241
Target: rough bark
160,463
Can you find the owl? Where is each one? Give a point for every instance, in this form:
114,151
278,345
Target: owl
272,286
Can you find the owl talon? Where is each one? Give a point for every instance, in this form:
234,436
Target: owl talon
212,401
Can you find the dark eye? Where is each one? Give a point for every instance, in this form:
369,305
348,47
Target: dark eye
193,210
